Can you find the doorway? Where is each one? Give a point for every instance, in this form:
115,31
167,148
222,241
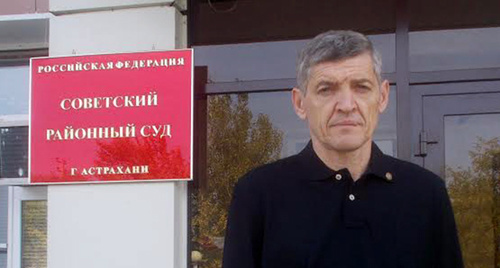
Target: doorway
458,126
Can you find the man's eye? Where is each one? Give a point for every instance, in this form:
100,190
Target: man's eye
363,87
322,90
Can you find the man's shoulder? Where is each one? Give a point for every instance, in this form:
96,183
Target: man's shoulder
270,173
408,172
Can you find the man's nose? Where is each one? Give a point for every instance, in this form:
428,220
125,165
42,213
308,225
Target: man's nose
345,100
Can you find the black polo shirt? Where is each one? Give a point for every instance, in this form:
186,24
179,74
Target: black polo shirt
297,212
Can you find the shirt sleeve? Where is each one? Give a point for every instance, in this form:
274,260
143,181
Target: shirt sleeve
448,253
244,232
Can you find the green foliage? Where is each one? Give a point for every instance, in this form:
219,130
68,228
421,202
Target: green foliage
237,142
476,205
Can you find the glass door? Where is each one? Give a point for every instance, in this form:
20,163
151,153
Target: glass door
460,141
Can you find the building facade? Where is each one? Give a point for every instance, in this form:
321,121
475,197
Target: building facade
442,59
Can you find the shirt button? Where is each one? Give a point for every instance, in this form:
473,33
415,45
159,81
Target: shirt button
388,176
352,197
338,177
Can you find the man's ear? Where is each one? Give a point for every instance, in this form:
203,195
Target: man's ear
298,103
384,96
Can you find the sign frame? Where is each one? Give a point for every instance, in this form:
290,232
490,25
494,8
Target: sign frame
155,180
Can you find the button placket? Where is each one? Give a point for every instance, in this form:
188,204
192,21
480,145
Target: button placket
353,216
352,191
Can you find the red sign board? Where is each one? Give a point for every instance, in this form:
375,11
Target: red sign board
116,117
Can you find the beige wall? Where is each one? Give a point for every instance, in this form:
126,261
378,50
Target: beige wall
128,224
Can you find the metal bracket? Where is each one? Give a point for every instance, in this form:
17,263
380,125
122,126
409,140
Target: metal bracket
181,6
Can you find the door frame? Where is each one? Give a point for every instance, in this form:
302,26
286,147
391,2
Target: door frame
18,194
452,92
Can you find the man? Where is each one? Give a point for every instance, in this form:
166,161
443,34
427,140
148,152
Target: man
341,202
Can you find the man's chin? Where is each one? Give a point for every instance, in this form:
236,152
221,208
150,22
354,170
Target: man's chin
346,145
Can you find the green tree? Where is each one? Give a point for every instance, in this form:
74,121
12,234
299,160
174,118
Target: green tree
237,142
476,205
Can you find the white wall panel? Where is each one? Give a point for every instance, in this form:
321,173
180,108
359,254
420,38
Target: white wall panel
128,30
117,225
111,226
85,5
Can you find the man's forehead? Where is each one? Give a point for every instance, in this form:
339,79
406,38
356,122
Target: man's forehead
328,80
354,68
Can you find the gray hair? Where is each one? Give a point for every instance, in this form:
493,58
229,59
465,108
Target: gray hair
335,46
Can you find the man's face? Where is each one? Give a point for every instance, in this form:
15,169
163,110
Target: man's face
342,103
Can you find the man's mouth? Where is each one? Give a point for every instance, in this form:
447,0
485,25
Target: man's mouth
345,123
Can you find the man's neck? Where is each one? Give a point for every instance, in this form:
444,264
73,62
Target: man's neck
355,161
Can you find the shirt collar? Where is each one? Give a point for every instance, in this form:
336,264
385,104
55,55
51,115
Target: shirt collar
380,165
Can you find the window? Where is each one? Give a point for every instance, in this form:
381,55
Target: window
14,107
13,169
14,90
13,152
246,130
14,99
455,49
